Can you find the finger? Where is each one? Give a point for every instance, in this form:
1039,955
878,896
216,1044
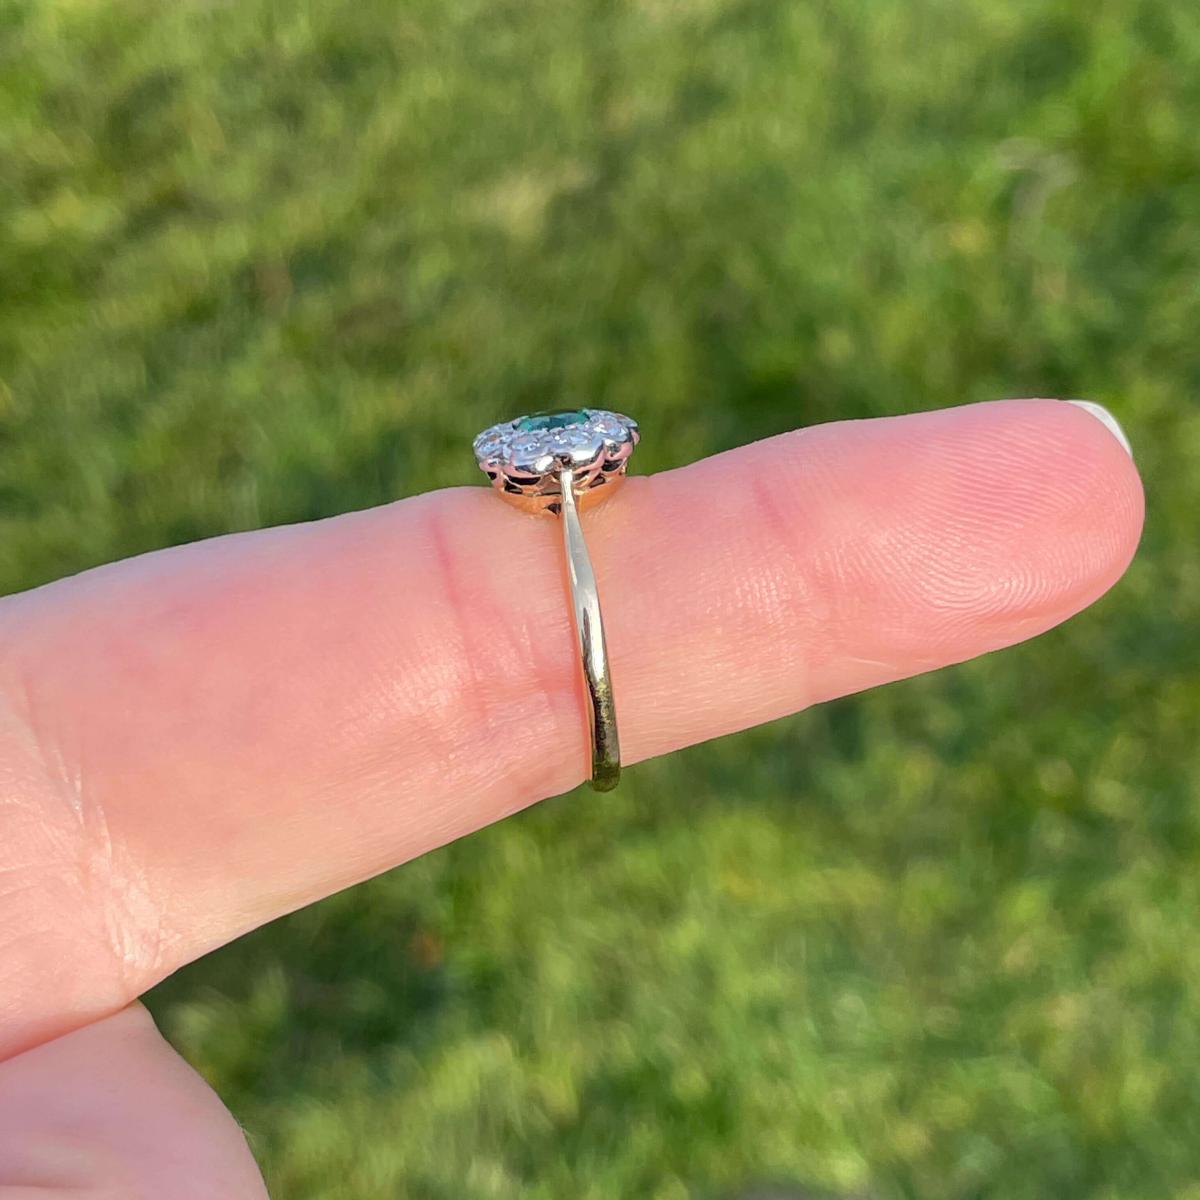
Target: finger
203,738
112,1110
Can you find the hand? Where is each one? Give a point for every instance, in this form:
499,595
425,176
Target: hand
196,741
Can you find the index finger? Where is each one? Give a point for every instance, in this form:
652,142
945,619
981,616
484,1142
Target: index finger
198,740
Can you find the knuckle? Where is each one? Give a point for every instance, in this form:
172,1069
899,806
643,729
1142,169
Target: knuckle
69,893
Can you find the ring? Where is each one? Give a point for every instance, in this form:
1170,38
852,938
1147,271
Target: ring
562,462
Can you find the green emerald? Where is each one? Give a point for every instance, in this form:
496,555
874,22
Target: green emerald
560,418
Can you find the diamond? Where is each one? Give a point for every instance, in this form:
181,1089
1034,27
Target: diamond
523,447
491,444
529,452
607,425
585,445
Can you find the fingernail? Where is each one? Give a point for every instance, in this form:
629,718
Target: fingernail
1106,419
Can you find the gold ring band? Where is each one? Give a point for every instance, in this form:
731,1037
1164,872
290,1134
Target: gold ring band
593,651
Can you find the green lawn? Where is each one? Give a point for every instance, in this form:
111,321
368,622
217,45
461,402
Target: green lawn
263,261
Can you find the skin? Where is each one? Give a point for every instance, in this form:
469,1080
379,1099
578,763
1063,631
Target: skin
198,740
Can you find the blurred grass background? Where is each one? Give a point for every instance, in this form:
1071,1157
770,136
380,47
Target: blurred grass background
265,261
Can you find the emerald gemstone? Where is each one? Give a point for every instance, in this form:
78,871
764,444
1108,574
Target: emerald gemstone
560,418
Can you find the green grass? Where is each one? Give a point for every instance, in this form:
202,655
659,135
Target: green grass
266,261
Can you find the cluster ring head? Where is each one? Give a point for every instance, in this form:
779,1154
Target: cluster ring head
524,458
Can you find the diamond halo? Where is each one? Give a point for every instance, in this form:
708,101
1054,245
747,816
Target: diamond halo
524,457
